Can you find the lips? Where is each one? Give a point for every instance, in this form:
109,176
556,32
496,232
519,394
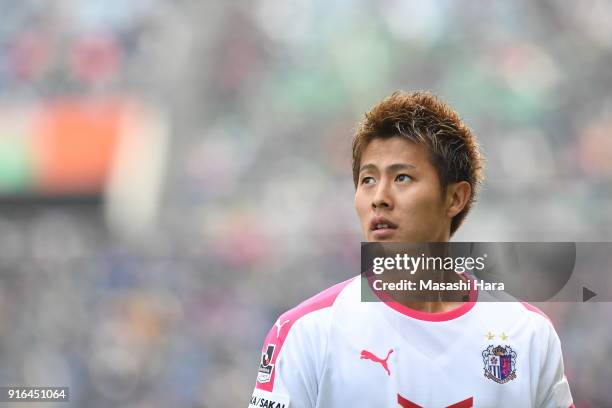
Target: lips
381,223
382,228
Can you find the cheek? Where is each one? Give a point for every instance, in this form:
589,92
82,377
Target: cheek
422,206
359,206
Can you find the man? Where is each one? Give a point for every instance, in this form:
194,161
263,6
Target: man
416,169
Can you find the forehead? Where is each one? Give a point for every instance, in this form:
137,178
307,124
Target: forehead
394,150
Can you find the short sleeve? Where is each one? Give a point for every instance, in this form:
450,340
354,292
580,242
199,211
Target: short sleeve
289,365
553,388
295,352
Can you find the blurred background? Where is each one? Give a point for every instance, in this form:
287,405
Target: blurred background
176,174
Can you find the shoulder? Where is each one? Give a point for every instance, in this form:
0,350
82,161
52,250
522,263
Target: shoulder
543,329
299,336
528,320
512,309
541,325
534,324
536,314
312,310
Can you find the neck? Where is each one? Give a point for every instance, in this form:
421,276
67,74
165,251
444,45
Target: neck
432,307
435,302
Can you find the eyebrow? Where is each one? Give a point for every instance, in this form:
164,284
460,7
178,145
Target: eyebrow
393,167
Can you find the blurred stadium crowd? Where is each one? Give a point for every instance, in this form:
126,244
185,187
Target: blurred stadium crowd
255,210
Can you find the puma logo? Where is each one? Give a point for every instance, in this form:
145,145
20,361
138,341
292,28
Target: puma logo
279,326
366,355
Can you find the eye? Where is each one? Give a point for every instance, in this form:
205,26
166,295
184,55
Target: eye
368,180
403,178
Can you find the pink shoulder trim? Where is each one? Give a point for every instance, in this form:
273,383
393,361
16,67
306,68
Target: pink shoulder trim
278,334
534,309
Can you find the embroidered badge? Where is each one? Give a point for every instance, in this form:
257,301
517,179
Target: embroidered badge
499,363
265,366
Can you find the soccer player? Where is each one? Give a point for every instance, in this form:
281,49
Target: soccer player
416,169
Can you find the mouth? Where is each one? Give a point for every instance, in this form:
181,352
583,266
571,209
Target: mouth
382,228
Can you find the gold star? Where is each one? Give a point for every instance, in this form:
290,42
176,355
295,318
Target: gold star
504,337
490,336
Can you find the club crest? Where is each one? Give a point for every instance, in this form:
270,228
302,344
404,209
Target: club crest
499,363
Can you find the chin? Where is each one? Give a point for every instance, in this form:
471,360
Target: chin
391,238
382,240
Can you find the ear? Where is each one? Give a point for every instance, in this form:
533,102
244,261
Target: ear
457,196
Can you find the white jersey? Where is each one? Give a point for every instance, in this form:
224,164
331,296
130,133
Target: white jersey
335,351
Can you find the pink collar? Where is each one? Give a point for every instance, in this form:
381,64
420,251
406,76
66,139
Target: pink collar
426,316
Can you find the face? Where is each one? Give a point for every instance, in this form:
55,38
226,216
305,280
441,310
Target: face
398,197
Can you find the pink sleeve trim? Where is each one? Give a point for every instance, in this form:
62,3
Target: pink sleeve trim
278,334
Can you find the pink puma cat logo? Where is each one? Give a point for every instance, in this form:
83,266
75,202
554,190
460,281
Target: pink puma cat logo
366,355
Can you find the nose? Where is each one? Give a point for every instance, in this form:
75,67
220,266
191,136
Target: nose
382,198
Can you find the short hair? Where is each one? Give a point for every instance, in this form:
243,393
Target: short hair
421,117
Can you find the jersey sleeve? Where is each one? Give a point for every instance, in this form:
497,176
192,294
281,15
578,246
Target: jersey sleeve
291,362
553,389
294,354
